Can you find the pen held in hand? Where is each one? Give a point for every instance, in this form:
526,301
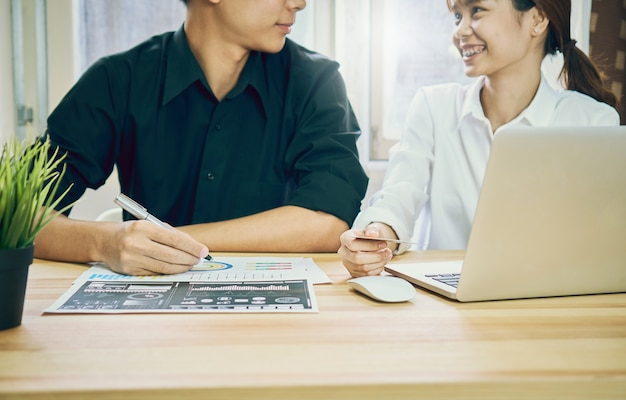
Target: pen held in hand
140,212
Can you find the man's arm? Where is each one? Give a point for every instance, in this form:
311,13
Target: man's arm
283,229
132,247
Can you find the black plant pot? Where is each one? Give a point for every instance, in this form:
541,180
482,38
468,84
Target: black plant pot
14,264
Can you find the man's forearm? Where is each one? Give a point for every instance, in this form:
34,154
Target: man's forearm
70,240
284,229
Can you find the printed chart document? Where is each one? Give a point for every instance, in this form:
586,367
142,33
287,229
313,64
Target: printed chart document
227,284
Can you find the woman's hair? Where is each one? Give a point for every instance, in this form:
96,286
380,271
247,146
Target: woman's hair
579,73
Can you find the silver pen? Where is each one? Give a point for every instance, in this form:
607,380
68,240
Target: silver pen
140,212
137,210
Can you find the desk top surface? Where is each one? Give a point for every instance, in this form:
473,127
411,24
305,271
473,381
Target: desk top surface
568,347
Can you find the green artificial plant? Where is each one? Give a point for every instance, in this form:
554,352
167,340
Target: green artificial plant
29,179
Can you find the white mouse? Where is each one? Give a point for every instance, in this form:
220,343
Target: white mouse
388,289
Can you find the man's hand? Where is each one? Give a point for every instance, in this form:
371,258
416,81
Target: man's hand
143,248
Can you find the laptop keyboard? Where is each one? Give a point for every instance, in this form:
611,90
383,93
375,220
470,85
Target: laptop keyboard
448,279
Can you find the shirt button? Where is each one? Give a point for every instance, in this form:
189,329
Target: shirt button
218,127
210,176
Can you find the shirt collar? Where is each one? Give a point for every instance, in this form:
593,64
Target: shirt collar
183,69
471,103
537,113
253,78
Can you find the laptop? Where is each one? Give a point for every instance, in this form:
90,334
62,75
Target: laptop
550,220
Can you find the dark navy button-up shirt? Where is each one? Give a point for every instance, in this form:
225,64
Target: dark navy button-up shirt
284,135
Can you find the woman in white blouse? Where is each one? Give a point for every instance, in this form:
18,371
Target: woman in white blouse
437,167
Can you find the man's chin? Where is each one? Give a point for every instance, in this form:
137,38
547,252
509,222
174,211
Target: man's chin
274,47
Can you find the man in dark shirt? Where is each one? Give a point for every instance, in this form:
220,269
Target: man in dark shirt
240,138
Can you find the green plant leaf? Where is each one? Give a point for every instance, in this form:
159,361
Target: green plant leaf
30,175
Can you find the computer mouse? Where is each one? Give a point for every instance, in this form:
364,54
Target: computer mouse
388,289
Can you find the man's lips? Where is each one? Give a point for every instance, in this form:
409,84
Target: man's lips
286,28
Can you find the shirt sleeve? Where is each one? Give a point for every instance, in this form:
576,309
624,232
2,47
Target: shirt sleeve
575,108
404,192
326,167
83,127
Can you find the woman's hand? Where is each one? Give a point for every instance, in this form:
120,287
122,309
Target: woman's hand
363,257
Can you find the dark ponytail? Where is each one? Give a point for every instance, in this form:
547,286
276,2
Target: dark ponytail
579,73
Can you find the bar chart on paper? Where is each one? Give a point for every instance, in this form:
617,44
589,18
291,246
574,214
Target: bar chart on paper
259,268
269,266
229,284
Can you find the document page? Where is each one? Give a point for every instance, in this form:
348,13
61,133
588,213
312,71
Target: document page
230,284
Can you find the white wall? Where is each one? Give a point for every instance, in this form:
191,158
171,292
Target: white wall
62,53
7,105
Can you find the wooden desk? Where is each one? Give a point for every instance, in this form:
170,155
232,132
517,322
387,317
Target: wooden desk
354,348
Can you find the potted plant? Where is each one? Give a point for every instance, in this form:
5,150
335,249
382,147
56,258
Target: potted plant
29,179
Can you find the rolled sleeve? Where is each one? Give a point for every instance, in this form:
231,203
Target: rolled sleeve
83,127
328,174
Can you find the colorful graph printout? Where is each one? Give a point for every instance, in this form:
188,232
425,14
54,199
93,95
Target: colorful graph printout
228,284
206,265
185,297
269,266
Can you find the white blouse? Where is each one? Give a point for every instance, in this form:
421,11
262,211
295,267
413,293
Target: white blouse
436,170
